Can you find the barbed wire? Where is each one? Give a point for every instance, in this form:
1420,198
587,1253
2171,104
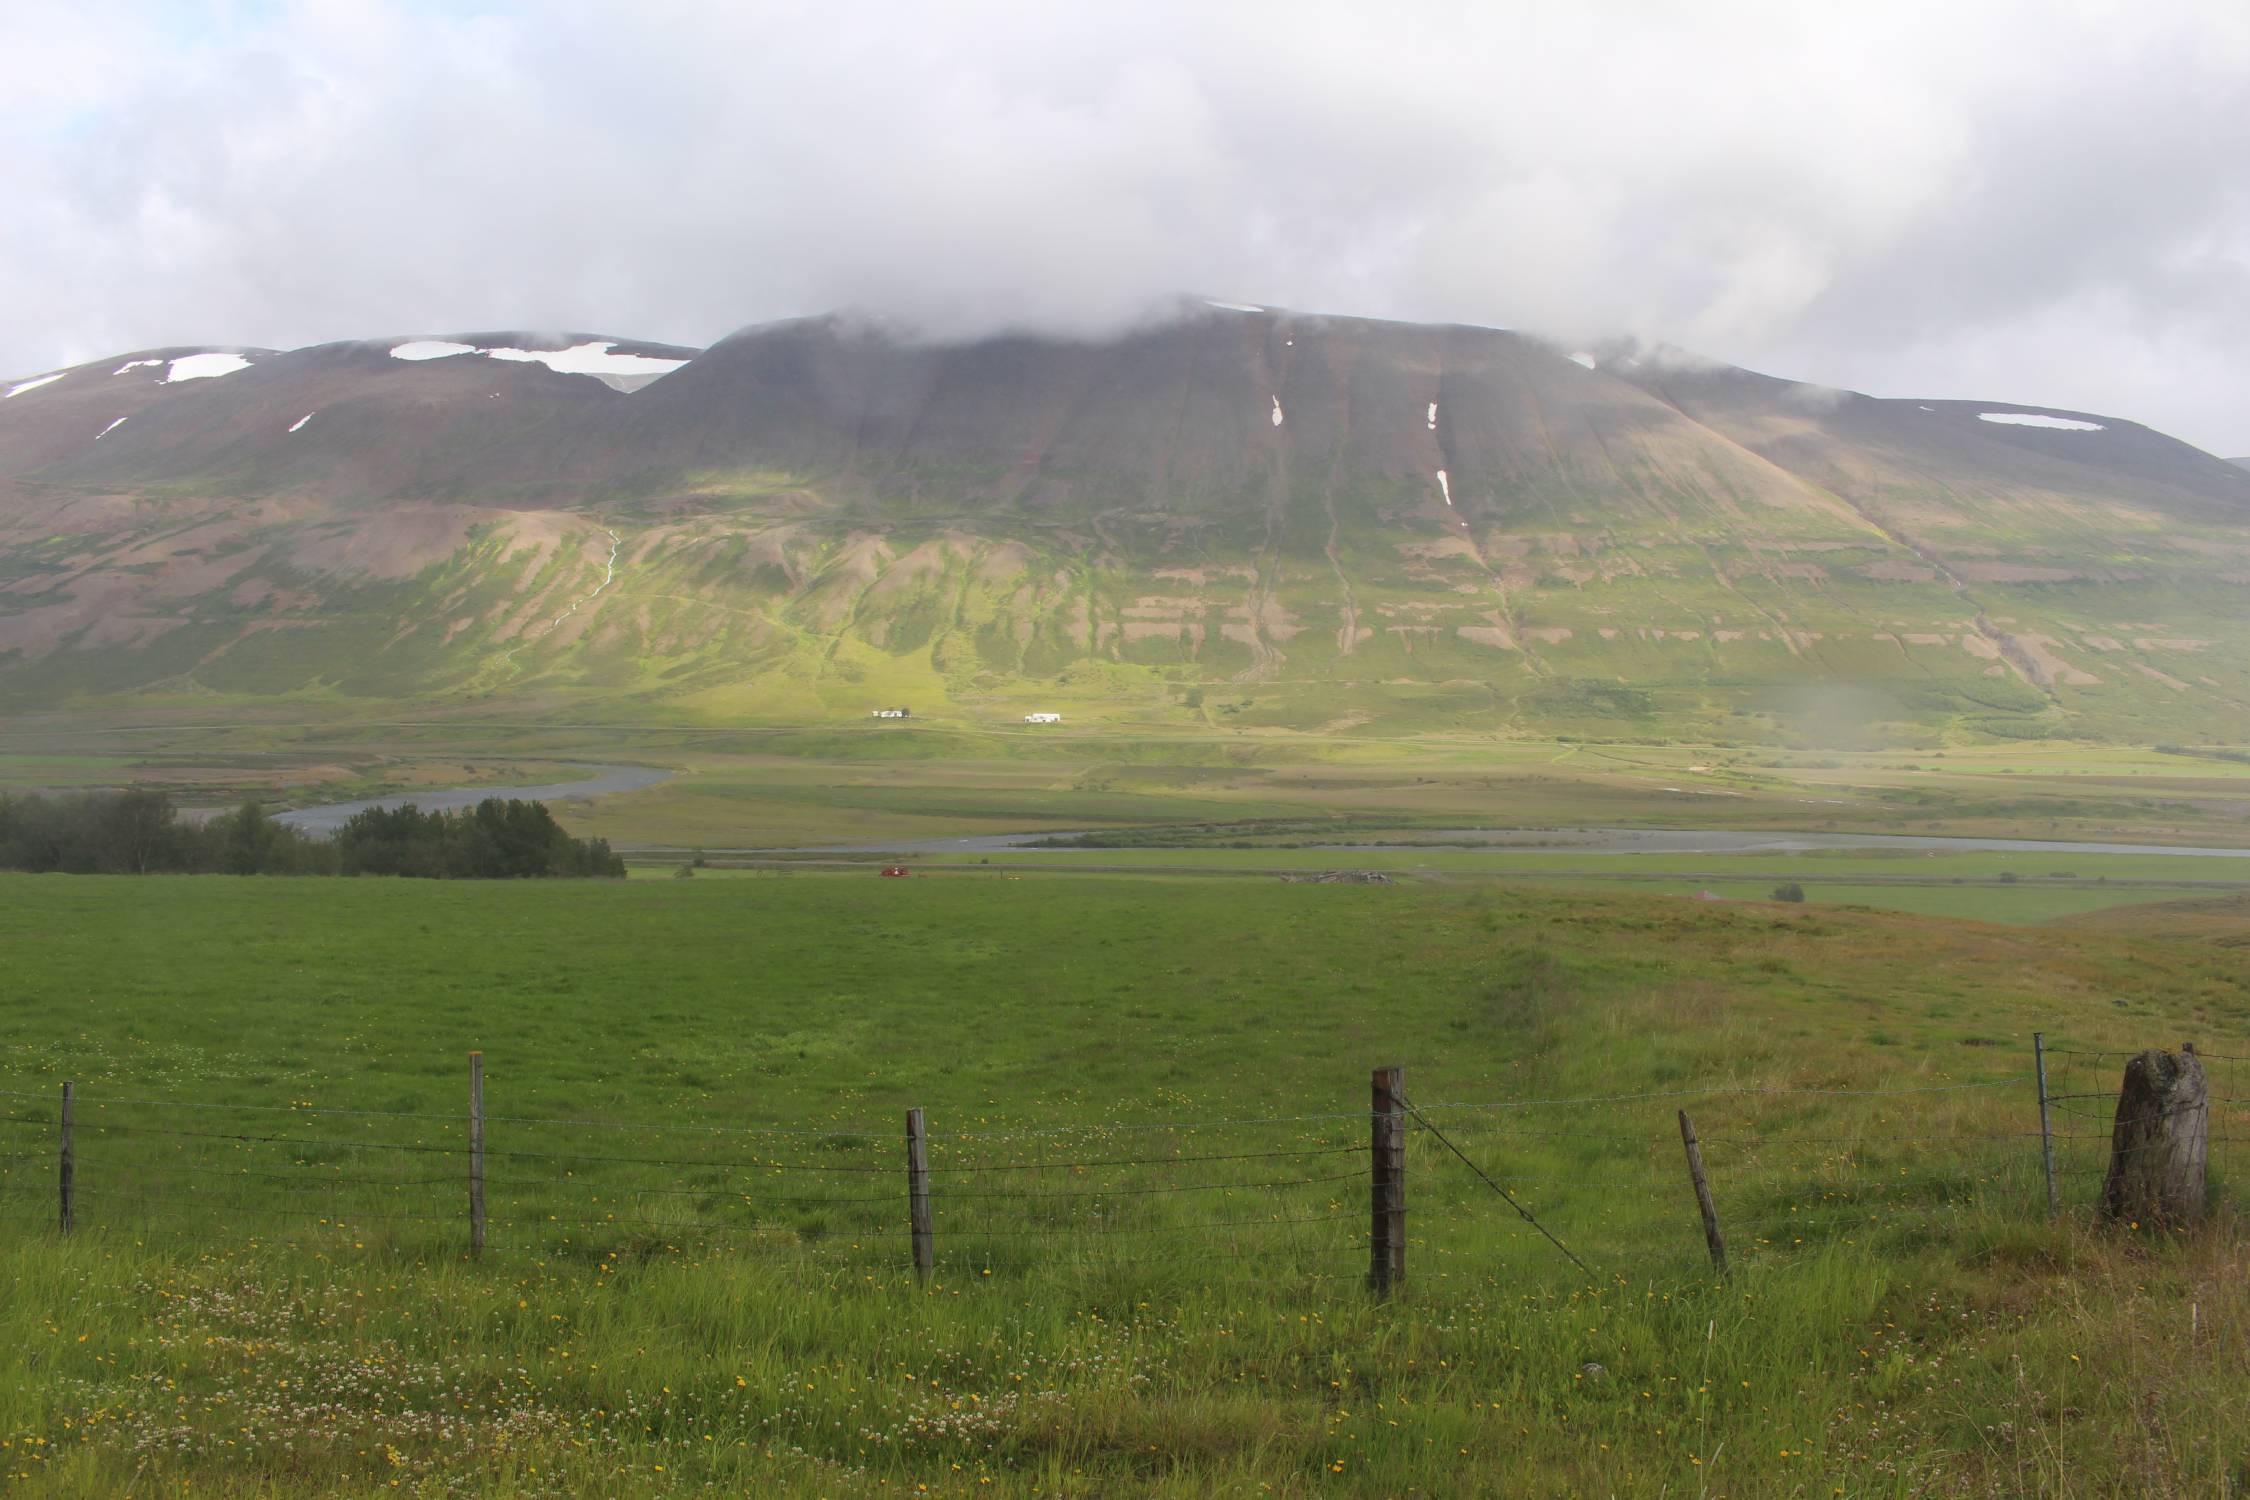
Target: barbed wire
1079,1226
1754,1167
1728,1091
2201,1055
950,1194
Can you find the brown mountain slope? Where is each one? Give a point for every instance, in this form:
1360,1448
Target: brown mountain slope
1324,519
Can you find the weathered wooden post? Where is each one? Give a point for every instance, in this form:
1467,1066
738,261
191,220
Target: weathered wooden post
2046,1121
2159,1147
1386,1240
476,1153
918,1194
1712,1239
69,1163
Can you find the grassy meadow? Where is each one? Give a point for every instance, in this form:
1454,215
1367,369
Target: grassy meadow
1147,1098
1246,799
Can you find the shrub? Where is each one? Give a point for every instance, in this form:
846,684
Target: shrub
498,839
138,832
1789,891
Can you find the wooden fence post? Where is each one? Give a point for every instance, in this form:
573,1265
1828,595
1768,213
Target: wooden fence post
1712,1239
476,1153
2160,1146
918,1193
1386,1240
2046,1121
69,1162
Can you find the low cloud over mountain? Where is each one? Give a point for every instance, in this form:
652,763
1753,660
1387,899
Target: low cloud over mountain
2013,197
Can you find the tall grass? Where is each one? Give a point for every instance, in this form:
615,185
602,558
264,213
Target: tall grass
269,1301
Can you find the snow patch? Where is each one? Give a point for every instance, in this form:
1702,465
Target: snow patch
135,364
623,372
204,367
609,576
1925,408
2035,419
301,421
106,431
1583,358
430,349
34,384
1233,306
591,358
1445,486
1277,411
1433,416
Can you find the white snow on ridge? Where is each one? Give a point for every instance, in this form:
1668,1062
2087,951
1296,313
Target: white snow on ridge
622,372
1433,416
301,421
1277,411
135,364
1583,359
1445,486
430,349
592,358
34,383
1233,306
106,431
204,367
2034,419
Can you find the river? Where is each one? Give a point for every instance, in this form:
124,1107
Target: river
1576,841
605,780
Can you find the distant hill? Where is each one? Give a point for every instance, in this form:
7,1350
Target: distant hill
1236,517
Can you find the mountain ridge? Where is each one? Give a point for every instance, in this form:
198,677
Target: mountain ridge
1327,520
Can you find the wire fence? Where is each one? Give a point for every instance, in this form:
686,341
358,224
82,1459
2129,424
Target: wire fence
1489,1185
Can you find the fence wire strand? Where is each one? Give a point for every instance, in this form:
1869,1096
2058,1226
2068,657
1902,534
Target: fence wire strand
1830,1175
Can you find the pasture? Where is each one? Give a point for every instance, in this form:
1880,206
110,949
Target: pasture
1147,1099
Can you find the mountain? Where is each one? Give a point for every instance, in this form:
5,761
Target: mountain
1243,517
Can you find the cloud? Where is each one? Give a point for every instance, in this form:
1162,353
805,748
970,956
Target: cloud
2042,198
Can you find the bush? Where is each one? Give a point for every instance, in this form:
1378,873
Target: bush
498,839
137,832
1789,891
141,833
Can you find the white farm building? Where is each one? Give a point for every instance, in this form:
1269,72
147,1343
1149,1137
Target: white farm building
1042,718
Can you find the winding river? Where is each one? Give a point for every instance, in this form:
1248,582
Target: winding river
1579,841
605,780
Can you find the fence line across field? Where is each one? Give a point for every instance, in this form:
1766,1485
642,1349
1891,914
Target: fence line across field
111,1172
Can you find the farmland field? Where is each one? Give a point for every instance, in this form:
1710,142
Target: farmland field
1247,800
1147,1102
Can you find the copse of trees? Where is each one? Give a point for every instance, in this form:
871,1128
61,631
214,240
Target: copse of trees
142,833
495,840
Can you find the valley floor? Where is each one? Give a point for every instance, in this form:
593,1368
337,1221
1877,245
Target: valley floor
1164,799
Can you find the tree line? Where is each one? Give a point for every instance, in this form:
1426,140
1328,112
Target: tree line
142,833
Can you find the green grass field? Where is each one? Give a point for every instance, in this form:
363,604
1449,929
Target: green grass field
1147,1101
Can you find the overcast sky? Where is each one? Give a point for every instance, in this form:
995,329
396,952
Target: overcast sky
2045,202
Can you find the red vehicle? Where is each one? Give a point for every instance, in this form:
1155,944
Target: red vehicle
895,870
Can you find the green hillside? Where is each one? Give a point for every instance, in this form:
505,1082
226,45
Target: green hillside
1233,521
